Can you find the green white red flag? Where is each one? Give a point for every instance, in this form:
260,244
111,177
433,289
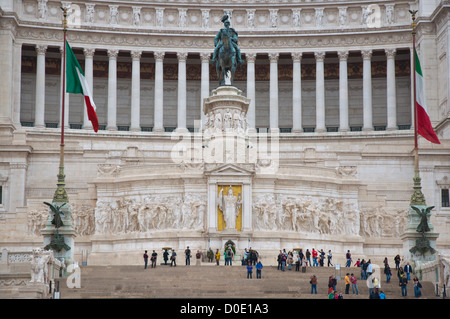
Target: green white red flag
76,83
424,127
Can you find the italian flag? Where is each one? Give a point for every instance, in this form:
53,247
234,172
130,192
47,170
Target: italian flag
76,83
424,126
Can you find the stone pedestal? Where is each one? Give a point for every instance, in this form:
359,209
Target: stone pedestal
226,111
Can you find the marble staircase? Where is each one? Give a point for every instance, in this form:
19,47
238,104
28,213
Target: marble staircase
210,281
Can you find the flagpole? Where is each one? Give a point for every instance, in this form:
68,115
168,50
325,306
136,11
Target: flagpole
417,198
60,193
416,147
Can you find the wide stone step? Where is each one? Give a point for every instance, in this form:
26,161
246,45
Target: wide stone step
218,282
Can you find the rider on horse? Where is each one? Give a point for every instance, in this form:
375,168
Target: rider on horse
234,39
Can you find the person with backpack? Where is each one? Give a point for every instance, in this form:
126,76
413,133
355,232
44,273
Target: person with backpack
229,255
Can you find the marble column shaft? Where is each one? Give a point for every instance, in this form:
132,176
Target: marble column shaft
204,90
367,90
158,125
112,90
136,91
251,88
343,92
39,117
296,93
320,92
181,109
273,57
391,91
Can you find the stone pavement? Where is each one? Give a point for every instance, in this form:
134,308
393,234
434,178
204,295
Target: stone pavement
210,281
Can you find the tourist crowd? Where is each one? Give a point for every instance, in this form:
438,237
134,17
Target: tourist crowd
302,260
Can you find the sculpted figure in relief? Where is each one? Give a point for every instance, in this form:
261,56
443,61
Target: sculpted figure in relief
90,10
36,219
306,214
156,212
42,9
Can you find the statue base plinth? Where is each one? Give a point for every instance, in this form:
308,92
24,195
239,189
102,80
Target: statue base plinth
410,239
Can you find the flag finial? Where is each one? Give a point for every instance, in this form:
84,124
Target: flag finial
413,18
64,21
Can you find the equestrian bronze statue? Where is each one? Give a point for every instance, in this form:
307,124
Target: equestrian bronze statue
227,55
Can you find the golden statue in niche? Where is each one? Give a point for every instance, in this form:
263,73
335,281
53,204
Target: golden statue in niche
229,213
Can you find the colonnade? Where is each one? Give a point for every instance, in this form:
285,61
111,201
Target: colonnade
250,57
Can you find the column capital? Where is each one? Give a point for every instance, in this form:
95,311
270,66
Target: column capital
159,55
182,56
366,54
390,53
273,56
41,49
113,53
205,56
89,52
136,54
250,57
297,56
343,55
320,56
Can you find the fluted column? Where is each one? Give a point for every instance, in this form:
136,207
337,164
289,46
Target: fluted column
273,57
320,92
251,89
296,93
391,90
136,91
112,90
39,116
89,74
158,125
66,95
367,90
343,92
181,109
204,93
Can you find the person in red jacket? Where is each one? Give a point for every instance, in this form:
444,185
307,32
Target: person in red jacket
314,256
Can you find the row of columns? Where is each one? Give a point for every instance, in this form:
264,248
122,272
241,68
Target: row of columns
251,88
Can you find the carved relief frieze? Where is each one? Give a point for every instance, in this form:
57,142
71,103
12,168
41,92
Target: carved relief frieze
152,213
325,215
